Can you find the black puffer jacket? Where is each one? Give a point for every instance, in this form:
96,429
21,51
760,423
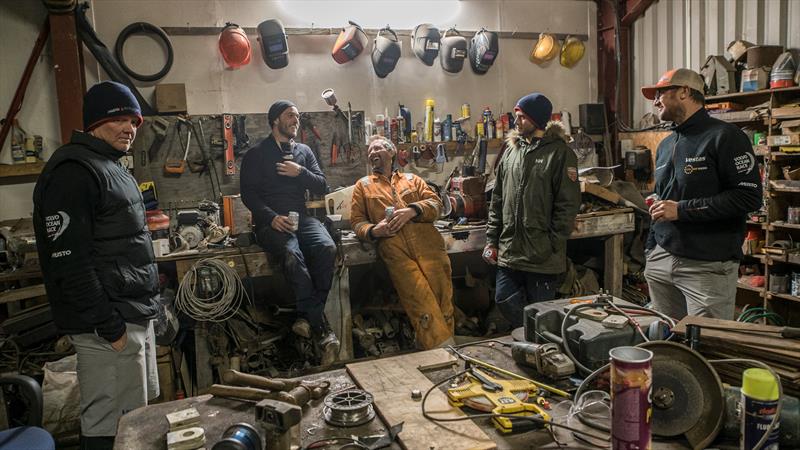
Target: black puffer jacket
709,168
94,247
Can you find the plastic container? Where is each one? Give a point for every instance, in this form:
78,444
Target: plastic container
429,106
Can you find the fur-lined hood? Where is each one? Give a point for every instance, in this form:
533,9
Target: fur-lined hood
553,130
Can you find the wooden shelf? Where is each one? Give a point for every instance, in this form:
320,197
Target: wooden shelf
792,226
20,173
450,146
760,258
775,155
763,92
773,295
763,225
745,287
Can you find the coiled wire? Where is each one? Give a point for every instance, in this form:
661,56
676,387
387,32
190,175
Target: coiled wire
219,306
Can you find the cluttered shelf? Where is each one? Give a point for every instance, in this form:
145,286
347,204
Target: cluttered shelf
773,295
763,92
740,285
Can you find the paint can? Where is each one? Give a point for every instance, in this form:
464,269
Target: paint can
759,405
631,403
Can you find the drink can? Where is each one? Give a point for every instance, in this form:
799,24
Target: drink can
490,253
652,198
465,110
389,212
294,217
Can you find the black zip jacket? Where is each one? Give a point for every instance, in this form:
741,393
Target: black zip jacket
267,194
709,168
94,247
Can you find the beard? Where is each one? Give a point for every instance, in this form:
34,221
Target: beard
286,130
377,165
676,114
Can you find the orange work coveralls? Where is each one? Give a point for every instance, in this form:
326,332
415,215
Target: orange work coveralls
415,257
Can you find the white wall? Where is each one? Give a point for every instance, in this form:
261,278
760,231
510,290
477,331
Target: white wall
696,29
213,89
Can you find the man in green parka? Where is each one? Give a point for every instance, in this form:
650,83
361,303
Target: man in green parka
535,199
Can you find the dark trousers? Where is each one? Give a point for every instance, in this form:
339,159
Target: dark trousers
515,289
308,256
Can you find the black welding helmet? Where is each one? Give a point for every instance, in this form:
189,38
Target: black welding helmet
385,52
274,45
425,42
483,51
453,51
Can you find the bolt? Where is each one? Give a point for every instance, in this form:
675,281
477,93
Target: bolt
416,395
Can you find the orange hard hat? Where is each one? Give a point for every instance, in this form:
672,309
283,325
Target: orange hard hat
234,46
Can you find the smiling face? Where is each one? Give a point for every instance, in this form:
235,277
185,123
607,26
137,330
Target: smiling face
380,154
287,124
118,133
668,105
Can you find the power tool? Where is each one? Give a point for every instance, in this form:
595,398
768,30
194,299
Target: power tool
482,392
547,359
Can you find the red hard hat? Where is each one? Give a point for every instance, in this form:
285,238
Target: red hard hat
234,46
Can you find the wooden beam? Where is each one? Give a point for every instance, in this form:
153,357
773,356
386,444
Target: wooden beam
68,68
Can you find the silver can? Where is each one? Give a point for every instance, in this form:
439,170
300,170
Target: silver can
389,212
294,217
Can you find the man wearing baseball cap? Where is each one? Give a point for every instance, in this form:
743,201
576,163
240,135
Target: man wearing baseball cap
707,180
97,262
534,202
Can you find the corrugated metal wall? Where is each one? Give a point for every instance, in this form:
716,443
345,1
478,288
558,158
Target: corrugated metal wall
682,33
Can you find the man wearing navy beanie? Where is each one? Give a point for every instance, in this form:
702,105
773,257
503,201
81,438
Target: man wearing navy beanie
97,262
534,203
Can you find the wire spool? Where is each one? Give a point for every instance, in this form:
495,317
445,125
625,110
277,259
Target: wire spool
218,304
241,436
348,408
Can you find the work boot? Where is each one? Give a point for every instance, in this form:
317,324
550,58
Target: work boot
302,328
328,346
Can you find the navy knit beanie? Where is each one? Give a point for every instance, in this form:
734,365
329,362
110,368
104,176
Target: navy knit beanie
537,107
106,101
277,109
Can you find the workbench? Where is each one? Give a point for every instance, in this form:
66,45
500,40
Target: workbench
146,428
252,261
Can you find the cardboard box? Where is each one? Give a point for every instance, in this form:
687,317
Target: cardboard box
755,79
784,139
171,98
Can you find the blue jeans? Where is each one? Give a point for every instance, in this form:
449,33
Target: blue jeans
308,256
515,289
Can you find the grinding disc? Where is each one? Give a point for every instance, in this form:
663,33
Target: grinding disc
687,394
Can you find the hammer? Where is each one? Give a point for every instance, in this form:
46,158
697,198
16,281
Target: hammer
235,378
298,396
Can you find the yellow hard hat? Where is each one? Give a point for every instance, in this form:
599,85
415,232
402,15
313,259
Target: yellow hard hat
572,51
545,49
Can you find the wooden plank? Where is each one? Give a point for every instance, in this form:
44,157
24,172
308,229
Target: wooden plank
601,192
391,380
614,264
246,265
23,293
19,173
738,336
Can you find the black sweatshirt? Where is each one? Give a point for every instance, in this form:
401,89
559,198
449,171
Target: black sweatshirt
267,194
709,168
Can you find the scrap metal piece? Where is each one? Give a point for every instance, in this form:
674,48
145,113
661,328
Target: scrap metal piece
348,408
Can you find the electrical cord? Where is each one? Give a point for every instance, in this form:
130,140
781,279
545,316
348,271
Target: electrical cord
493,415
143,28
220,305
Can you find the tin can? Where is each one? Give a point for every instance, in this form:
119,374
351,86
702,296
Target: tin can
389,212
652,198
465,110
759,405
631,405
490,253
294,217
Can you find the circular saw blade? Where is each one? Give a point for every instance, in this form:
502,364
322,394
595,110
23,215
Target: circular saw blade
688,397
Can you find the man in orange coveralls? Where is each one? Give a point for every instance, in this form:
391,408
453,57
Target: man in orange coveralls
409,244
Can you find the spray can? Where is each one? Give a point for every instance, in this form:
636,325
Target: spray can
437,130
479,131
420,133
447,132
429,104
492,134
393,130
402,137
631,405
406,114
759,405
387,129
465,111
379,121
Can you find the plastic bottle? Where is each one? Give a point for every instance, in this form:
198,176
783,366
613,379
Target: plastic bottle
379,121
429,105
387,123
447,132
17,143
406,113
393,130
437,130
402,137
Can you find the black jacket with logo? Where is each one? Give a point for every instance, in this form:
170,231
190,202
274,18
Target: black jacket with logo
709,168
267,194
93,243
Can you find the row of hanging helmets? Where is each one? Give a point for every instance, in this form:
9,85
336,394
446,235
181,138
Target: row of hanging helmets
427,43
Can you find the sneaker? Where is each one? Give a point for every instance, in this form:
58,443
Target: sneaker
329,348
302,328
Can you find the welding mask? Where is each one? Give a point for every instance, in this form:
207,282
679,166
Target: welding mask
385,52
234,46
483,51
349,44
453,51
425,40
274,45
